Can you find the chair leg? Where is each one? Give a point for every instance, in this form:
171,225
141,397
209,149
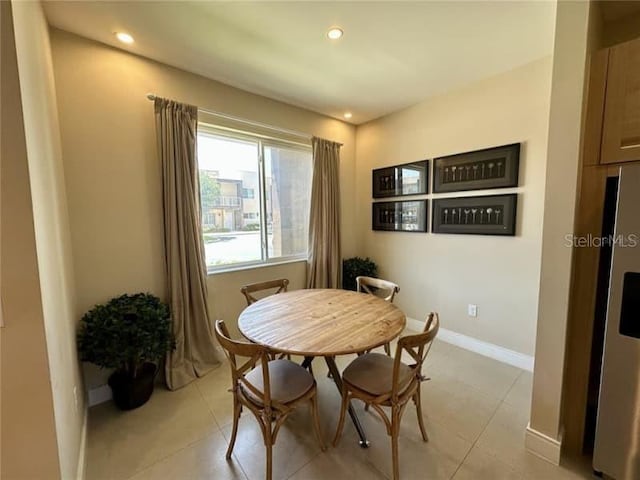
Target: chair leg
316,421
268,443
269,472
418,402
237,410
343,412
387,349
395,431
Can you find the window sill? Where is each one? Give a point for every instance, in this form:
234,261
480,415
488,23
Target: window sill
253,266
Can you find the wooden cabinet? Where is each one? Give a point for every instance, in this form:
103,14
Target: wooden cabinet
621,125
610,137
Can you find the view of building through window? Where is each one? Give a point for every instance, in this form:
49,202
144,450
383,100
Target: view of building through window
251,211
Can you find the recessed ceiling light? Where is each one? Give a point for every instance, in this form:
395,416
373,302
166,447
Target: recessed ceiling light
124,37
335,33
348,115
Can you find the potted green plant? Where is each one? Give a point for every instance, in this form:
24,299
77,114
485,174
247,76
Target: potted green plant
129,334
355,267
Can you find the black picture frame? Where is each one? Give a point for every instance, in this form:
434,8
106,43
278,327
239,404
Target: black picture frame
400,180
496,167
400,216
482,215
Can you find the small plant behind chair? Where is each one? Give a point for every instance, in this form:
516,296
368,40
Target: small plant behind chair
356,267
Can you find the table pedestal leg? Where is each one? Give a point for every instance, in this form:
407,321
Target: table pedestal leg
335,374
306,363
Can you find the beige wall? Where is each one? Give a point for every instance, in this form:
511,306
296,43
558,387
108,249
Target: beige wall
50,217
114,177
29,445
571,43
447,272
225,298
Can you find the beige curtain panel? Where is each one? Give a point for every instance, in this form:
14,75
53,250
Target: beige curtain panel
324,262
195,353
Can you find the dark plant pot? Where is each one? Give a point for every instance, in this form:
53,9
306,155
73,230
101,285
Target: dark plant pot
130,393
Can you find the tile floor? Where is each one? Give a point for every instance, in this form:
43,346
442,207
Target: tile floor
476,410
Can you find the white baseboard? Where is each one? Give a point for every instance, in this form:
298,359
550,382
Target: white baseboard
542,445
82,452
504,355
99,395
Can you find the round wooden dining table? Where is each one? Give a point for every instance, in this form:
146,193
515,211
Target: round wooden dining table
322,323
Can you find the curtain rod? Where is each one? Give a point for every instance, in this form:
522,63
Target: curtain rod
306,136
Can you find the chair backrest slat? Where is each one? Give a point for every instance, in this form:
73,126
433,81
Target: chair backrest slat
255,353
417,346
389,289
281,284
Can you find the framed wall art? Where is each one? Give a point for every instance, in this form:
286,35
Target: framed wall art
399,180
401,216
486,215
482,169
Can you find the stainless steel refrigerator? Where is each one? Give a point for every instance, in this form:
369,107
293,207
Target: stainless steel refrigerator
617,442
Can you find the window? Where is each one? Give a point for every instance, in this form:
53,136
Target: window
255,194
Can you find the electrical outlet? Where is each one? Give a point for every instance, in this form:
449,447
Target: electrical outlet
472,310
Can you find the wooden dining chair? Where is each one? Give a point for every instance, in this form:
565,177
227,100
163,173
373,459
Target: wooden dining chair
281,285
381,288
271,390
381,381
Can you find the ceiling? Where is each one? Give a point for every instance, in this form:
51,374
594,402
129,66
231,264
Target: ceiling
613,10
392,55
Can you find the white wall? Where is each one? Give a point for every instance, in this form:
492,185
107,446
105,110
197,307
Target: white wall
446,272
114,177
571,42
51,225
27,424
